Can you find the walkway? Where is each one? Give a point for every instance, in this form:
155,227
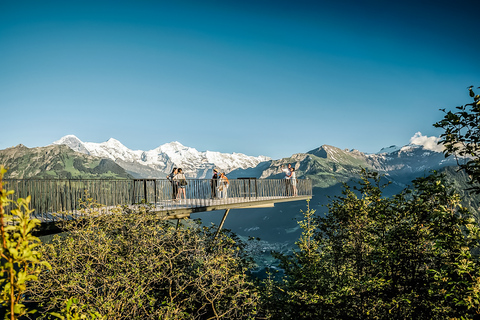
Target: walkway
51,198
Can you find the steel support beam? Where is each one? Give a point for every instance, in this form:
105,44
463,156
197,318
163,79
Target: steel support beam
222,222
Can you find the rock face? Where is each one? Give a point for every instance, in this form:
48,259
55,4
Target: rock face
157,163
57,162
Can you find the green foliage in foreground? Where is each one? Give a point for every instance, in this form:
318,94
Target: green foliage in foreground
136,266
412,256
21,263
461,137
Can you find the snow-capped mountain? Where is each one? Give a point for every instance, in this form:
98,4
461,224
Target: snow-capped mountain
390,149
408,160
320,165
158,162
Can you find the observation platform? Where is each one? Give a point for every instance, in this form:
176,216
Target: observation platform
59,199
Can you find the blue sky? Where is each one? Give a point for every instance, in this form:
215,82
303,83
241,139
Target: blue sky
257,77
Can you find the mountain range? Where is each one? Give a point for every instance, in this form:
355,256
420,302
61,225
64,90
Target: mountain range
159,162
69,157
327,167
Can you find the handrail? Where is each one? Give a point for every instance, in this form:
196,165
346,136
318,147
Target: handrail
49,196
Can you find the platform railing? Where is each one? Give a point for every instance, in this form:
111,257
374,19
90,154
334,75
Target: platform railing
50,196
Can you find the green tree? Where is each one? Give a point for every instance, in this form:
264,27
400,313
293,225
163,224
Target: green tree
461,137
137,266
373,257
300,292
21,262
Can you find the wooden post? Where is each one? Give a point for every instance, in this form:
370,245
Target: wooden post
222,222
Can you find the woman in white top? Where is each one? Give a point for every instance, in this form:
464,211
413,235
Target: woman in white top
293,181
223,186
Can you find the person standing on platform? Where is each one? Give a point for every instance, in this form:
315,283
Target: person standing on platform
173,183
288,175
182,184
223,185
293,182
213,184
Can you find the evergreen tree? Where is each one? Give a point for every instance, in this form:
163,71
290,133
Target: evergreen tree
373,257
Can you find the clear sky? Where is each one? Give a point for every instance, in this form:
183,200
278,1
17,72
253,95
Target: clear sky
257,77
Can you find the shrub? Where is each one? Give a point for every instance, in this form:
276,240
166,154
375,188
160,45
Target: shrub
137,266
413,255
21,263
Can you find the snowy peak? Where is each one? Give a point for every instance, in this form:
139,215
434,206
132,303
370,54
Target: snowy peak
392,148
73,142
398,150
173,146
158,162
237,160
70,138
114,143
409,159
417,142
110,149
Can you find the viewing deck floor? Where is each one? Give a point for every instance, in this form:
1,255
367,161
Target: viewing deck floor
171,209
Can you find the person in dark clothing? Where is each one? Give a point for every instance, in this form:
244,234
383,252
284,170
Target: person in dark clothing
288,175
173,182
213,184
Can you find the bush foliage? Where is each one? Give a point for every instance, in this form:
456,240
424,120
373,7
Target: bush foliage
21,262
461,137
411,256
137,266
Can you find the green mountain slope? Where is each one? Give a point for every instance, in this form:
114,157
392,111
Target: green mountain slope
328,166
325,166
57,162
